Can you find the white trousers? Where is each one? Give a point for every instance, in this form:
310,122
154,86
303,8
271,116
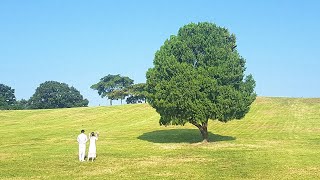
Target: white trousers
82,151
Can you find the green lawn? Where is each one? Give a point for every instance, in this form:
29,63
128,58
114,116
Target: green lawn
278,139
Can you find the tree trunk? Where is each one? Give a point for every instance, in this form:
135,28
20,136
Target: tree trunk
204,133
110,102
121,101
203,130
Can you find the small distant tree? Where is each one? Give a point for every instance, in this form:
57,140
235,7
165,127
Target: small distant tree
137,93
7,97
113,87
52,94
199,75
21,104
118,94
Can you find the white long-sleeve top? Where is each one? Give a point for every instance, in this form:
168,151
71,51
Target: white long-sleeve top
82,138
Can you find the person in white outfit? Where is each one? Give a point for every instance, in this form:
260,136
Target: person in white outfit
92,147
82,140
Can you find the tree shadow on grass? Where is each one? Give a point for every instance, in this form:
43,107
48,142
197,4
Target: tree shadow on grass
181,136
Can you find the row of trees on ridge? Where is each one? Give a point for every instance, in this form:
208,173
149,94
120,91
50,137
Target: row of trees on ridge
49,95
53,94
115,87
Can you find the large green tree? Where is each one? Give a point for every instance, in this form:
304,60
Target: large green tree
199,75
53,94
113,87
7,97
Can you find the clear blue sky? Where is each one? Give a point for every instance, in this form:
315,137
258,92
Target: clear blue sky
78,41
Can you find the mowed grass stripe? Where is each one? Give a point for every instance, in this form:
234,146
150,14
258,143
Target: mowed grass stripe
278,139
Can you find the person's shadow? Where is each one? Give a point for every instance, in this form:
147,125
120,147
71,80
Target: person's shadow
181,136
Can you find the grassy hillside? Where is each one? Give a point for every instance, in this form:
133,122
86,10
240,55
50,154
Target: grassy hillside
278,139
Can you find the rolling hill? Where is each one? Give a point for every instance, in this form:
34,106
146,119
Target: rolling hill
278,139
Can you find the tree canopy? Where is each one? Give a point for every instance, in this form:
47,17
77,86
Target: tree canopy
137,93
52,94
198,75
113,87
7,97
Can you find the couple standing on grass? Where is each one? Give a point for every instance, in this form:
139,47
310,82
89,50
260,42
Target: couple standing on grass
82,140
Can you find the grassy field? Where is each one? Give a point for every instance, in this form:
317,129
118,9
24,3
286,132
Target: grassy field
278,139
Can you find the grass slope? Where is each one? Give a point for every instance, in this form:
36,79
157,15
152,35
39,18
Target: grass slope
278,139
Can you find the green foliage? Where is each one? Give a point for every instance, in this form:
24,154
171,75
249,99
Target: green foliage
137,93
21,104
7,97
52,94
113,87
199,75
118,94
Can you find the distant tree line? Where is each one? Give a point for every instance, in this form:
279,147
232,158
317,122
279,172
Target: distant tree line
116,87
48,95
53,94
